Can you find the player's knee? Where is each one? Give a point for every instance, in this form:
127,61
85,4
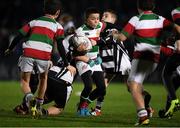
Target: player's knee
134,87
88,88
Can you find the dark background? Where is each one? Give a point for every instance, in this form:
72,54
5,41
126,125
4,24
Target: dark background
15,13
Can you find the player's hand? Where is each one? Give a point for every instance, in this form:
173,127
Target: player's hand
7,52
115,34
91,63
71,69
98,60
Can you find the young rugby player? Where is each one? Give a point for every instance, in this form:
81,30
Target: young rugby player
40,34
89,65
146,27
171,72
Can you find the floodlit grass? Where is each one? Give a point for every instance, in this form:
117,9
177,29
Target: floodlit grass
118,109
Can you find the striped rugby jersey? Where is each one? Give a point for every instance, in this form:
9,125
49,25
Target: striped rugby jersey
114,56
92,34
176,15
41,34
61,73
146,28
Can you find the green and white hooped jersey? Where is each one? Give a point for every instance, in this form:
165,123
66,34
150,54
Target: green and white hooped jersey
41,34
93,34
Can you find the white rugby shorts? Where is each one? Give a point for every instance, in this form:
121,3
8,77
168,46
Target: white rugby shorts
27,64
140,69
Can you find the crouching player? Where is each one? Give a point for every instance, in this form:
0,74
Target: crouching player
59,88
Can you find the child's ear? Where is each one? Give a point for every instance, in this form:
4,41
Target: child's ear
57,13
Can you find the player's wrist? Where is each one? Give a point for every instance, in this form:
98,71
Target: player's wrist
91,62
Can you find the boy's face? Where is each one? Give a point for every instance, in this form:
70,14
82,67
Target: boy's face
93,20
108,17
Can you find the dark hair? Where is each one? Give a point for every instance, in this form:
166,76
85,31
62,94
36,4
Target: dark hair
90,11
51,6
145,4
112,12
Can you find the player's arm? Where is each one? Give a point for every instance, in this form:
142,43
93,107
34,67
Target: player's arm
86,60
63,55
62,51
22,33
15,41
127,31
119,36
82,58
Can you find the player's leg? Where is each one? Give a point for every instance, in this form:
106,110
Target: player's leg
26,67
100,91
167,75
140,69
83,104
23,107
176,84
97,110
147,99
36,104
61,92
136,92
107,78
34,81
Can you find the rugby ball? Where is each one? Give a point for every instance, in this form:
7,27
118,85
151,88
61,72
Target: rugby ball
79,39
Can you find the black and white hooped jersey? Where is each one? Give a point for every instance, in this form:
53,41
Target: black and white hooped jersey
114,55
61,73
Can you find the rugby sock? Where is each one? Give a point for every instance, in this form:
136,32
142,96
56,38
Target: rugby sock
83,102
99,105
39,101
142,113
28,97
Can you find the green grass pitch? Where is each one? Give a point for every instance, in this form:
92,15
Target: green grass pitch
118,109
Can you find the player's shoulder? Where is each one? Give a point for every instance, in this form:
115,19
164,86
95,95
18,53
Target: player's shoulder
111,26
59,25
82,27
175,11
